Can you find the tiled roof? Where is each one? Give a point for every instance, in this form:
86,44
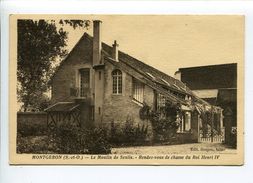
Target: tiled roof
157,78
146,70
149,71
161,79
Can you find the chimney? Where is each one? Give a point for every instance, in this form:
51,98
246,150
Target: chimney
115,53
97,45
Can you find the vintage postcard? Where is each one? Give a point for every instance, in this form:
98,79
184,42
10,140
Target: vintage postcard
126,89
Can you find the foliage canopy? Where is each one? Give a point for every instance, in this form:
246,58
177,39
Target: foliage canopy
40,44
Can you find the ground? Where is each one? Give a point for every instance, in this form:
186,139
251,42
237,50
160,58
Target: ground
42,144
196,148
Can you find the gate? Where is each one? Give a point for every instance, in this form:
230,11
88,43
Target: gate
212,135
211,127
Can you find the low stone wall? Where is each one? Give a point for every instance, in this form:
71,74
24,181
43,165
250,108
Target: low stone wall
32,117
31,123
183,138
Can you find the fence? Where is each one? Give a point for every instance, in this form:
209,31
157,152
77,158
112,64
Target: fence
212,135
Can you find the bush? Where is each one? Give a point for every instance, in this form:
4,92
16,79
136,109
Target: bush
164,129
69,139
32,144
25,129
165,123
128,134
66,139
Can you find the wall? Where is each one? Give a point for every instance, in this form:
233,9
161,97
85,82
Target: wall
195,120
32,117
119,108
32,122
99,94
67,74
182,138
210,77
205,93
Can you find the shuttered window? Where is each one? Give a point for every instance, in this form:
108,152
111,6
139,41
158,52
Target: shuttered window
138,90
117,82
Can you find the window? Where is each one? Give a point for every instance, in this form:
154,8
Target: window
187,121
138,90
185,124
84,82
117,82
161,100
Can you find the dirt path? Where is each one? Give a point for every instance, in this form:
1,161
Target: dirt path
196,148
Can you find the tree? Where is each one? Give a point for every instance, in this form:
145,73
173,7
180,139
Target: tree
40,44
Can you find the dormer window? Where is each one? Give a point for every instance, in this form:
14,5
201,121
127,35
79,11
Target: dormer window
166,82
117,82
150,75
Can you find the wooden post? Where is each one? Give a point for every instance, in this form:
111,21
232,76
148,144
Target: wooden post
195,126
227,122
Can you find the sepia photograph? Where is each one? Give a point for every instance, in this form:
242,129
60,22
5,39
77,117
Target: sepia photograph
127,89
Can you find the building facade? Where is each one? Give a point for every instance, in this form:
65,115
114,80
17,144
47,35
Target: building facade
217,84
96,84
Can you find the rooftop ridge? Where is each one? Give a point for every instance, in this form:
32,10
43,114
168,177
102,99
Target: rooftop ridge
134,61
206,66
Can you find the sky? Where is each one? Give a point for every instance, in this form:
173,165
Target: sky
171,42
